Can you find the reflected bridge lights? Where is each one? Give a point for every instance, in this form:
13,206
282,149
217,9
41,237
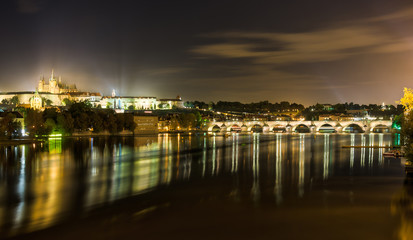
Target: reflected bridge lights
278,170
255,190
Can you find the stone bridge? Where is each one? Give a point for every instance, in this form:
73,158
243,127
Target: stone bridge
293,126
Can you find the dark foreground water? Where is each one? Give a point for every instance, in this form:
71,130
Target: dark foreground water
257,186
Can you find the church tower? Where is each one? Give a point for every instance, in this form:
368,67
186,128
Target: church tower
40,87
53,85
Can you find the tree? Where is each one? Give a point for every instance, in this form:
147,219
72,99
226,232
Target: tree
8,125
407,122
188,120
407,99
5,101
69,123
96,122
82,122
14,100
50,126
129,122
111,125
34,122
120,122
47,102
67,102
50,113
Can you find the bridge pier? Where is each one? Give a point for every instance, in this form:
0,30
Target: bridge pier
288,129
313,129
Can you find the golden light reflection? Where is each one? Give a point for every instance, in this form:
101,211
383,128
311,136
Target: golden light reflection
204,155
214,154
301,166
48,182
99,170
352,142
371,150
363,151
278,170
381,144
233,154
255,190
326,159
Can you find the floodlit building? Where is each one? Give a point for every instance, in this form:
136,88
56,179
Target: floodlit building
146,124
93,97
31,99
129,103
54,92
55,85
140,103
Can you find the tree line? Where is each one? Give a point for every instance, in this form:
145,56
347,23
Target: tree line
80,117
263,106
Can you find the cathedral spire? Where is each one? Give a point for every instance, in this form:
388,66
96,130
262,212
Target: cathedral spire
52,74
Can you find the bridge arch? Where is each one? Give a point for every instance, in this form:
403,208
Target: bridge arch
255,128
301,128
278,128
214,128
326,128
353,128
380,128
235,128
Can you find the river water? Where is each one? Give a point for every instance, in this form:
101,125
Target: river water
201,186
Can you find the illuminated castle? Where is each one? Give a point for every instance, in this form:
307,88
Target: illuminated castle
54,92
55,86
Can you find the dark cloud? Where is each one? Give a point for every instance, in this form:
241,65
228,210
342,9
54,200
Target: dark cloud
29,6
296,50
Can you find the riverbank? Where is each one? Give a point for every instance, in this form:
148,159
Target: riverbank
20,141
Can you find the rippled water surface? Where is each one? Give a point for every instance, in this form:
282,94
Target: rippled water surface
203,186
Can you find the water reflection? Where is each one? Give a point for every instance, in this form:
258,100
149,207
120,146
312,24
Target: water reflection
326,159
278,169
402,206
255,191
42,184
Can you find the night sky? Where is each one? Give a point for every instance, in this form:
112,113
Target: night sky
300,51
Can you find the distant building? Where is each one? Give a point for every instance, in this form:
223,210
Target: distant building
53,92
36,102
55,85
358,113
328,107
170,103
335,117
131,103
140,103
94,98
146,124
32,98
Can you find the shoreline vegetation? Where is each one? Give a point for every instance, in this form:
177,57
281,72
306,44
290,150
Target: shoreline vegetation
34,140
80,119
